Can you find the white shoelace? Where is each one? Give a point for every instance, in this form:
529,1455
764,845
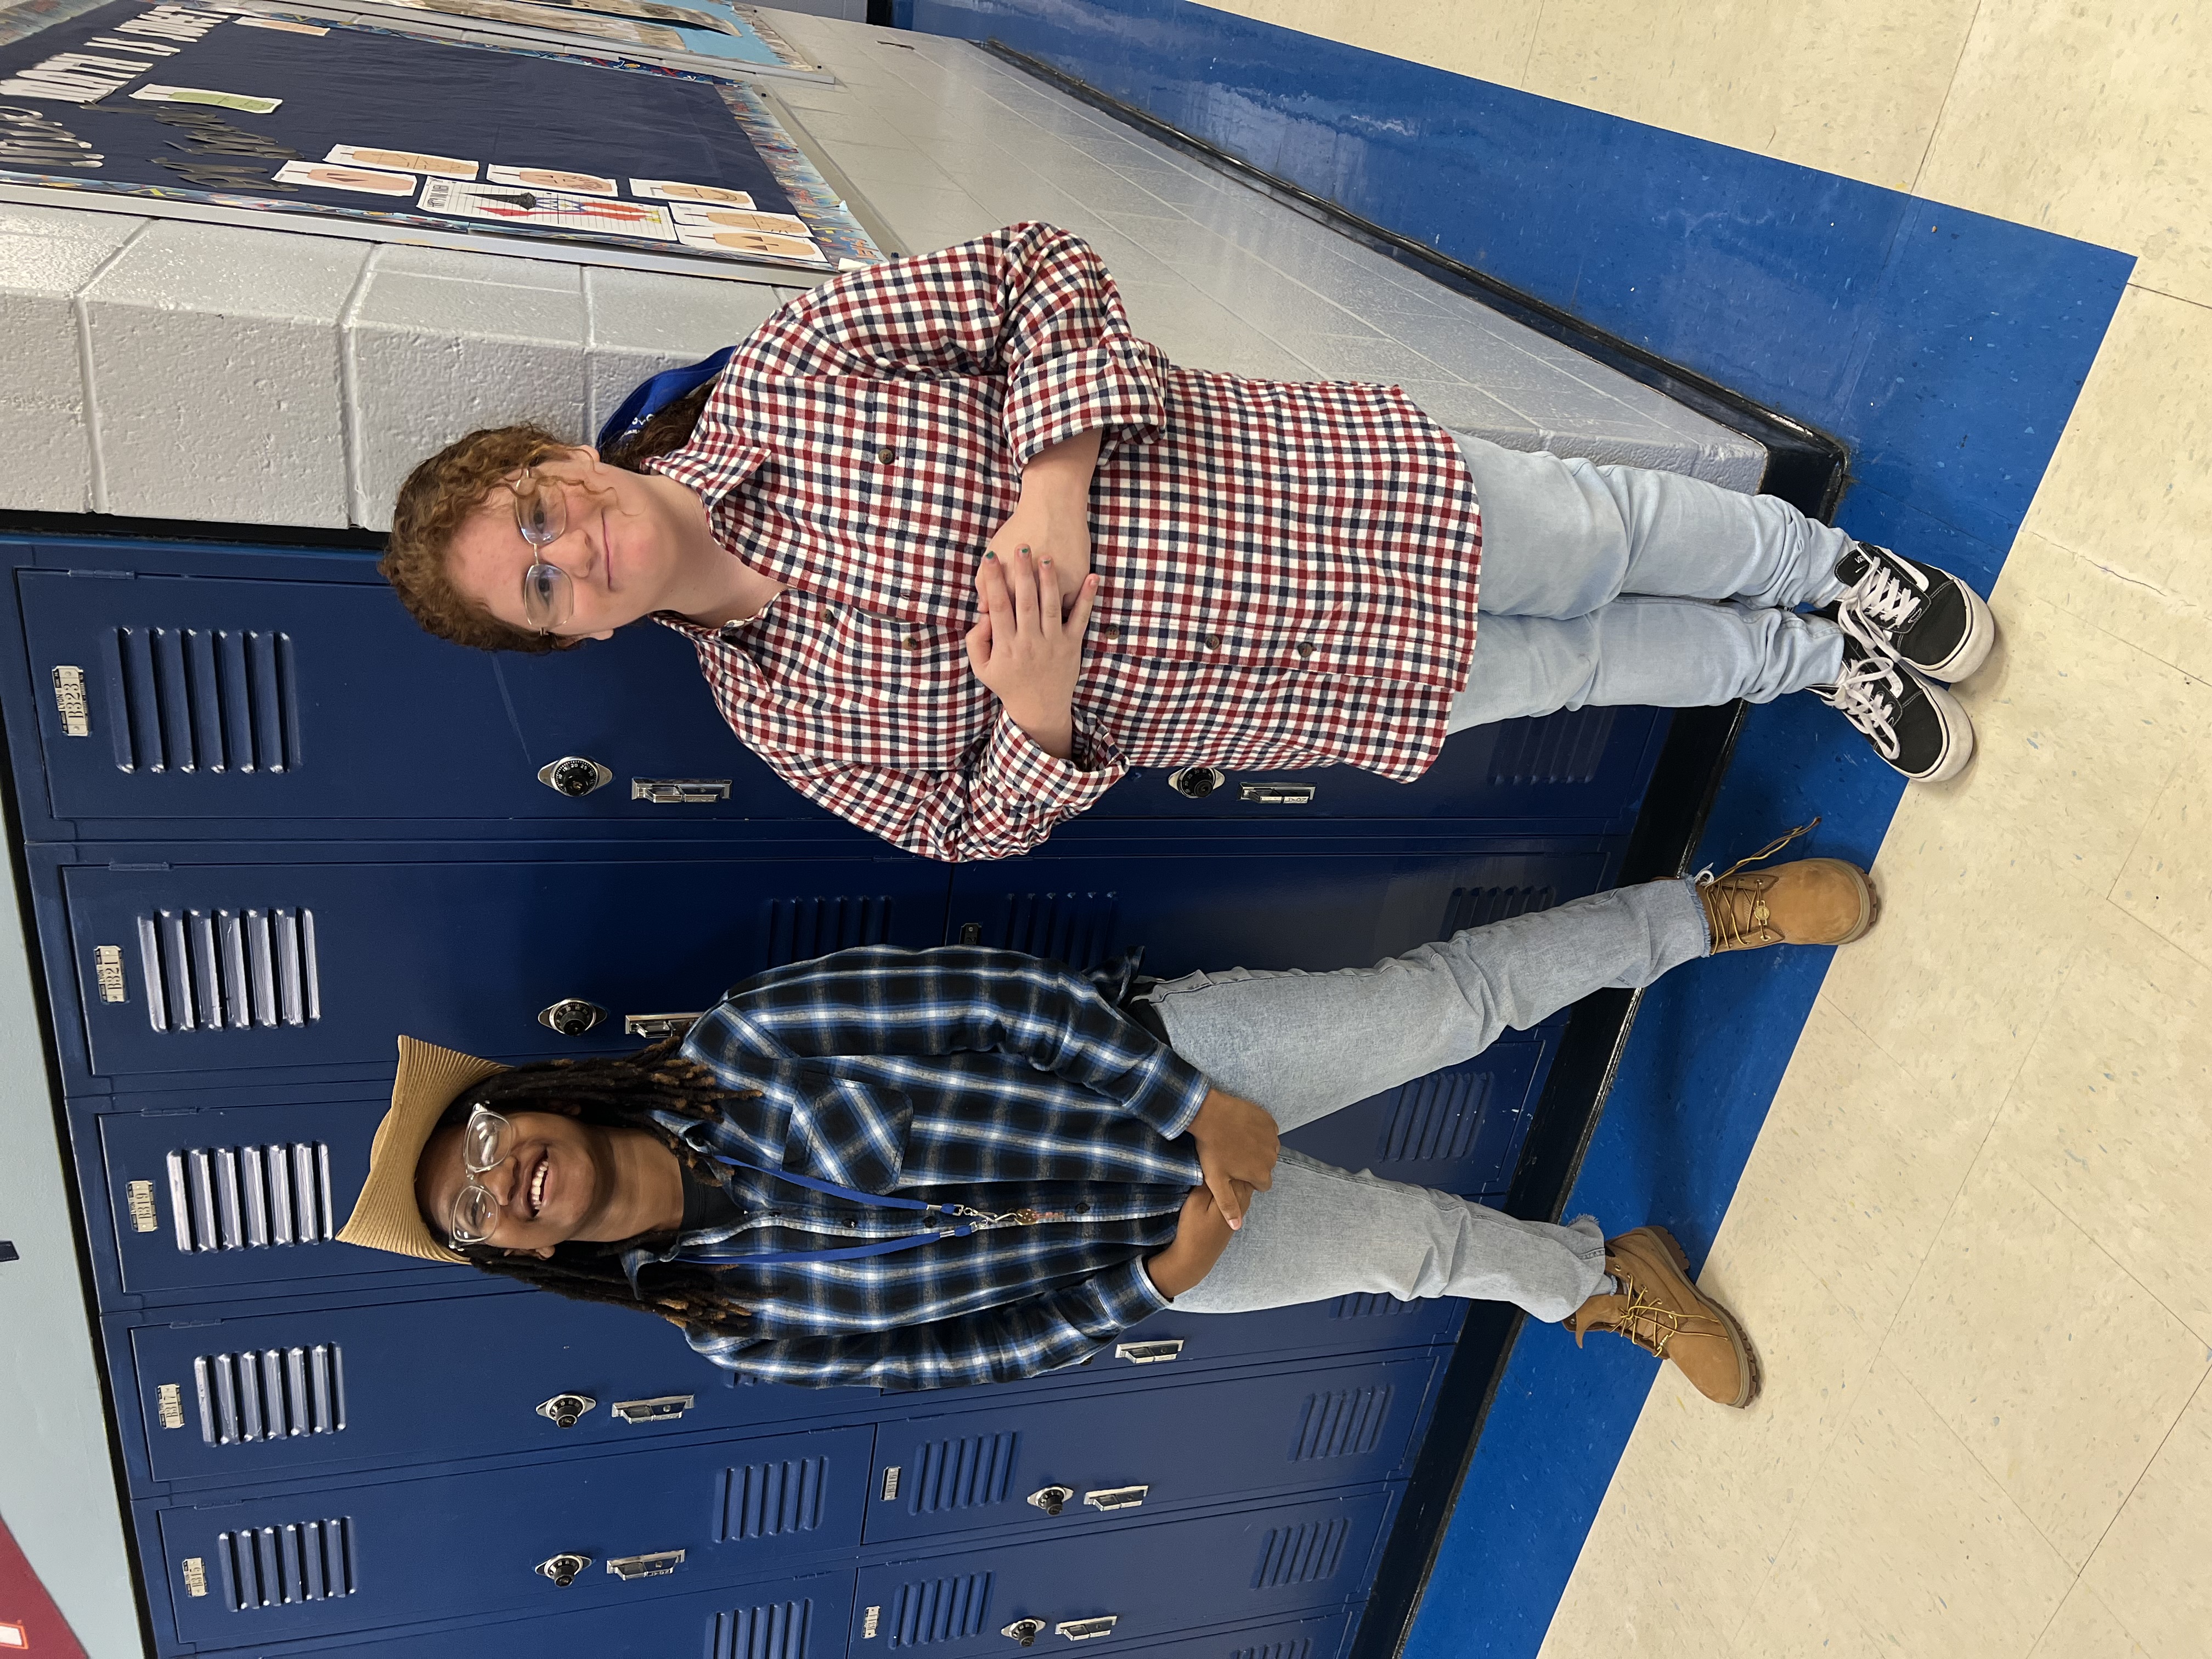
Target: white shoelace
1860,694
1880,602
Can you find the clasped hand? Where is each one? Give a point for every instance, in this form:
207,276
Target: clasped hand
1025,650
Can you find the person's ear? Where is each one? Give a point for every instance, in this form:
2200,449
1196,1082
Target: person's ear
544,1253
604,634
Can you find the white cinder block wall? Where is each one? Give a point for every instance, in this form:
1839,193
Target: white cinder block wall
170,370
160,369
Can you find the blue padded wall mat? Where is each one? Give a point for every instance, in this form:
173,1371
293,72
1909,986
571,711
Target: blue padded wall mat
1945,348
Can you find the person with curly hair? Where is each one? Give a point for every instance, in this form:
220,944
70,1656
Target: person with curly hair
956,550
920,1169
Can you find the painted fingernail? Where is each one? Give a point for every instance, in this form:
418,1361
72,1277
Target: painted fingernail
989,554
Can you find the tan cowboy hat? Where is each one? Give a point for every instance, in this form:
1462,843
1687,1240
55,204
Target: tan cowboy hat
385,1215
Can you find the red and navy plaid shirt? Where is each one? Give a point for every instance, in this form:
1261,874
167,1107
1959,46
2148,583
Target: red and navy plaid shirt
1287,569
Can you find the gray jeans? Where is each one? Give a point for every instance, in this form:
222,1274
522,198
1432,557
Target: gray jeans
1303,1045
1619,585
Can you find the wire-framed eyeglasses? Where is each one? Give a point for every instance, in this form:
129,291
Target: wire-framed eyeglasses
486,1143
541,514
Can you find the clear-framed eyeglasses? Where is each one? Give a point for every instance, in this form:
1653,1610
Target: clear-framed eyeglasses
486,1141
541,513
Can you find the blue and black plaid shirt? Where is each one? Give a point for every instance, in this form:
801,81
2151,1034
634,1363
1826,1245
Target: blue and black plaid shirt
965,1076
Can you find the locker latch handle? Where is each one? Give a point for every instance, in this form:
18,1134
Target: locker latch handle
1277,794
1086,1629
1051,1499
680,792
1116,1497
1148,1353
563,1409
663,1408
656,1026
562,1569
658,1564
1024,1631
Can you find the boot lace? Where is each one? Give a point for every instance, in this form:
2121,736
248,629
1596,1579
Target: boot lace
1738,915
1868,691
1650,1324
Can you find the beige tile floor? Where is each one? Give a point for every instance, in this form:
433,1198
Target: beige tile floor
1975,1238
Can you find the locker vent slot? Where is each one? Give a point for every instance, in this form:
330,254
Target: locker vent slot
1478,906
1301,1649
1436,1116
777,1630
765,1500
1367,1304
960,1475
274,1395
799,928
240,1198
940,1610
203,700
276,1566
1070,927
203,971
1300,1555
1341,1423
1567,747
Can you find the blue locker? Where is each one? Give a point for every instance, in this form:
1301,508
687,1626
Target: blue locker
1582,767
230,957
1064,1468
574,1534
1342,902
254,1397
1124,1584
286,696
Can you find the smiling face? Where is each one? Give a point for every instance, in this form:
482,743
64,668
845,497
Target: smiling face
560,1180
622,548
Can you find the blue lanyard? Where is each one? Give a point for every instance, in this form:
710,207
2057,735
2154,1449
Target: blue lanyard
724,1255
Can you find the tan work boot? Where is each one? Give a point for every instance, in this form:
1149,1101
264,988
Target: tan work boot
1811,902
1656,1308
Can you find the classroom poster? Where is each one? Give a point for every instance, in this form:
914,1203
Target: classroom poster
166,104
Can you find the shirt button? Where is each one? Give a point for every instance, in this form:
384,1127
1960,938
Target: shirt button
913,641
1209,641
1303,648
887,455
1111,630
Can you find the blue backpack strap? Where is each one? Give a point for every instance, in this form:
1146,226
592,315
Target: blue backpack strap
648,400
721,1255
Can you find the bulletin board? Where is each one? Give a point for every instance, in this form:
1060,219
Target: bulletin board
281,118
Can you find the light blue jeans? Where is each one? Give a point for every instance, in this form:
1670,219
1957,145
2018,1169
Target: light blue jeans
1619,585
1303,1045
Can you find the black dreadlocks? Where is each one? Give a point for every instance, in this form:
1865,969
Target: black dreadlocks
620,1092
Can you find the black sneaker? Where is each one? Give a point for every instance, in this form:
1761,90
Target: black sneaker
1914,612
1914,724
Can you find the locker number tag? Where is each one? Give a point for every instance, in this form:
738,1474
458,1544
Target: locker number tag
140,1197
169,1404
108,970
195,1576
69,701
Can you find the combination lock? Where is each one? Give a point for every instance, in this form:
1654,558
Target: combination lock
1051,1499
563,1409
562,1569
573,776
1197,782
571,1016
1024,1631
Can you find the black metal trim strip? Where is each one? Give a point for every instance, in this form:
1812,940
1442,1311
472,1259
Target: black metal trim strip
1804,466
1675,809
76,526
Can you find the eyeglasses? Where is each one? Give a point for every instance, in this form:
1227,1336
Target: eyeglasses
541,513
485,1144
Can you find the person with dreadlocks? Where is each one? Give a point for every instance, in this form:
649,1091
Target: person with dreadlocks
916,1168
1171,568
